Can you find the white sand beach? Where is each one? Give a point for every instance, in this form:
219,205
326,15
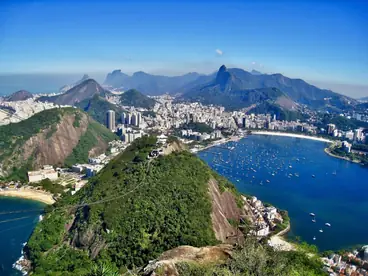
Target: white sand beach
29,194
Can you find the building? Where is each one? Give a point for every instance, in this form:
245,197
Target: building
139,119
346,146
46,172
128,119
161,139
330,129
110,120
123,118
358,134
134,121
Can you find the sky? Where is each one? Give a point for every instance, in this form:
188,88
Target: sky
324,42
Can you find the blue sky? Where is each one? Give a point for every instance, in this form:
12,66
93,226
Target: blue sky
325,42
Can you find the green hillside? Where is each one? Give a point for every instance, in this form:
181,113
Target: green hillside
169,206
97,108
135,98
46,139
139,209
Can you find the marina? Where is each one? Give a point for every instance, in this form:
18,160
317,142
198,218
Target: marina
304,179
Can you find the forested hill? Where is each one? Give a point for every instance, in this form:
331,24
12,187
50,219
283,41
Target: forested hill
135,98
52,137
133,211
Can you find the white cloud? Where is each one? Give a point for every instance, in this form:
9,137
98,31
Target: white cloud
253,62
219,52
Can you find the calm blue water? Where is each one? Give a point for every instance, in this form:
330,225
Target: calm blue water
15,229
338,194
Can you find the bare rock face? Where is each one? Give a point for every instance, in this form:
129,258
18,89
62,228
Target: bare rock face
166,263
224,207
59,146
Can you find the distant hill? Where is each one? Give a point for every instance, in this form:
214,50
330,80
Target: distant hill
239,82
70,86
365,99
226,90
83,91
149,84
54,137
255,72
20,95
135,98
97,108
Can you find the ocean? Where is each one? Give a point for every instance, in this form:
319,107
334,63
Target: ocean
15,229
297,175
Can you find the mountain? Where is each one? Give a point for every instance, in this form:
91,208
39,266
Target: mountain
83,91
240,82
227,90
149,84
135,209
70,86
364,99
52,137
133,97
97,108
20,95
255,72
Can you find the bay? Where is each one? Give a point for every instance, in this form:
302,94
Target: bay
306,180
15,229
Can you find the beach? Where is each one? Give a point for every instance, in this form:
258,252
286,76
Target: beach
29,194
291,135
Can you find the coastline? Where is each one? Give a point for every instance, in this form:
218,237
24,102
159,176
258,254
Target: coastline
288,134
340,157
29,194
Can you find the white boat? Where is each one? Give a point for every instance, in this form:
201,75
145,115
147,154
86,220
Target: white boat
327,224
314,238
312,214
313,220
313,176
320,230
267,181
290,167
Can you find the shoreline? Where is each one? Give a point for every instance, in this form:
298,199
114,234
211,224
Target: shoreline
327,151
29,194
288,134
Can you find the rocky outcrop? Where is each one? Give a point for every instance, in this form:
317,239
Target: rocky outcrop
224,209
59,146
167,262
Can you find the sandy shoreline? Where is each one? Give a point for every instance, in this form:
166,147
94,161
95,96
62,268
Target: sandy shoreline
29,194
291,135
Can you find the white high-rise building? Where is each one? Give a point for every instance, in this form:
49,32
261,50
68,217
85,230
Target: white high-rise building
139,119
110,120
134,119
128,119
123,117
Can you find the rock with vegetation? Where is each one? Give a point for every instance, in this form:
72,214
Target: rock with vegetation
52,137
97,108
135,98
83,91
173,209
20,95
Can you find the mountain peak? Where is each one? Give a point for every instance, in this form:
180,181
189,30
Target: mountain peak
20,95
255,72
222,68
223,78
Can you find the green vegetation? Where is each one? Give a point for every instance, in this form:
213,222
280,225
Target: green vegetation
281,113
15,134
149,113
97,108
135,98
49,186
356,157
167,205
77,119
199,127
255,259
341,122
90,139
285,221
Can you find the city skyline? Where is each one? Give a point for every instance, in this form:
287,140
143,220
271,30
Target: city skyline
321,42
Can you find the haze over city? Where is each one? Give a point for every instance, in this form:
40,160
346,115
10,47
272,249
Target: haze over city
322,42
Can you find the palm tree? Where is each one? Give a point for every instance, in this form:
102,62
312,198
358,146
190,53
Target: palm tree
103,269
